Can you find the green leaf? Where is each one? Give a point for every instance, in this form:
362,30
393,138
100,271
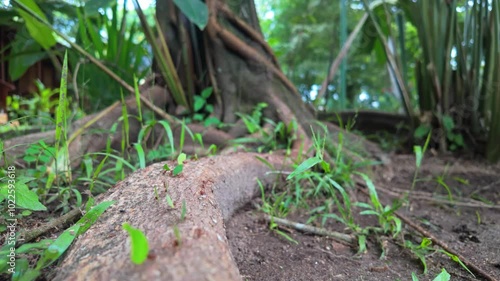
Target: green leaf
199,102
139,244
43,244
443,276
211,121
23,272
141,155
166,167
209,108
184,210
182,157
419,155
448,123
60,245
40,32
195,10
373,192
91,217
25,198
422,131
177,170
25,52
306,165
361,244
206,92
369,212
169,201
168,130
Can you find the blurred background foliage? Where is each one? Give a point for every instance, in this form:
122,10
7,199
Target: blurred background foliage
446,53
306,38
435,61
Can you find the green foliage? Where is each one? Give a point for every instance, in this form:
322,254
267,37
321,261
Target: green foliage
327,184
118,43
37,111
138,244
162,56
178,168
305,38
202,109
266,135
25,52
195,10
456,140
42,34
419,155
102,29
425,249
15,189
49,250
442,276
275,207
388,221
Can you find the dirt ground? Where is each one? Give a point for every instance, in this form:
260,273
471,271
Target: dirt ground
473,232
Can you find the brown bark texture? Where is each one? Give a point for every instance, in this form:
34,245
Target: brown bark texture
211,189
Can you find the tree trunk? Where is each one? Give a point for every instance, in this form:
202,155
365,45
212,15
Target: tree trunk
233,58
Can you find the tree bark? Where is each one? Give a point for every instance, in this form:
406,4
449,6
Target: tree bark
211,189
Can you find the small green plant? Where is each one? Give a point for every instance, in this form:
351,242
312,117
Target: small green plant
266,135
455,140
139,247
442,276
180,165
419,156
275,207
202,109
48,250
425,249
37,109
15,194
178,236
388,221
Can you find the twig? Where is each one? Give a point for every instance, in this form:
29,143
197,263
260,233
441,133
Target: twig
341,237
486,187
29,235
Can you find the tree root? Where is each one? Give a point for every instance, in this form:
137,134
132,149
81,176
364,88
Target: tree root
338,236
209,189
30,235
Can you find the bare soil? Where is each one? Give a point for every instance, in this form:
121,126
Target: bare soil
473,232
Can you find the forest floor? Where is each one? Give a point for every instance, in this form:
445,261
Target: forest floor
472,232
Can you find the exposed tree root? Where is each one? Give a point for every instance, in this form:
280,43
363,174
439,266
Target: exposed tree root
211,189
28,236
